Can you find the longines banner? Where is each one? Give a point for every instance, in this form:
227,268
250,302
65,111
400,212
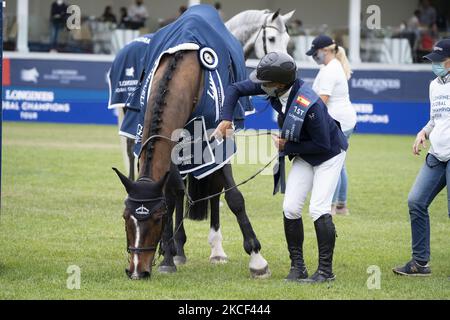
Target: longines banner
56,91
77,92
388,102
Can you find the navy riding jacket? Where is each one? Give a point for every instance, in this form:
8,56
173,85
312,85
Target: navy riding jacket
321,137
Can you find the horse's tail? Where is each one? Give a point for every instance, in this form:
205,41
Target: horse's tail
198,189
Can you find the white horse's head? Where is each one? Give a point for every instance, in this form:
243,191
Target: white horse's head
261,31
273,34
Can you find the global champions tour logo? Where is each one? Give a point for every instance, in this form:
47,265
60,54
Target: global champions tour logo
129,72
29,75
376,85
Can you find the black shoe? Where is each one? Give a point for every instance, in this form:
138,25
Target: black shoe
318,277
296,274
413,269
293,229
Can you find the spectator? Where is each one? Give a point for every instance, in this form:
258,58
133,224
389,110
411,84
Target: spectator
58,18
138,14
108,15
427,13
427,40
412,32
413,23
124,22
331,84
295,28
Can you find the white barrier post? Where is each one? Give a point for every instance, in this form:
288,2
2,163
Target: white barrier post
22,25
354,29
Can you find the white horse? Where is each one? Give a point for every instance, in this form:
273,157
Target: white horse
261,32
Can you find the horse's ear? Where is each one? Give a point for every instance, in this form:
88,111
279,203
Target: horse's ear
286,17
161,183
127,183
275,15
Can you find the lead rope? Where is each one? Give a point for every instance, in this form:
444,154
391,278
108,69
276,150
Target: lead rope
191,202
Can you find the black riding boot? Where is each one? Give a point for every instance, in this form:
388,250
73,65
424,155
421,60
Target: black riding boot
294,238
326,238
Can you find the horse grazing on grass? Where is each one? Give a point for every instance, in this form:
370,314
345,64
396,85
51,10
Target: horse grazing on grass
156,193
259,32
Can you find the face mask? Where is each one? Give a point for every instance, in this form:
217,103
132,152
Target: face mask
439,69
274,91
319,57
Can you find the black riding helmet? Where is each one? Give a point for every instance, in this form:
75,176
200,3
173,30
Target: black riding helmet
275,67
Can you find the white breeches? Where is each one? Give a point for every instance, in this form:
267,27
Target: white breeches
321,180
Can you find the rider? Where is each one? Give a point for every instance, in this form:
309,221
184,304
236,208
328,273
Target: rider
317,146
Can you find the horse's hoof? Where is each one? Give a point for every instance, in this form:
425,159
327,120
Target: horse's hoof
218,260
179,260
167,269
263,273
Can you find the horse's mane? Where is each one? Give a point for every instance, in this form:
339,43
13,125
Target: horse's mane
160,102
249,16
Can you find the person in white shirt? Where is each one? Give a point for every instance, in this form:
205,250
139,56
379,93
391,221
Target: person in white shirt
331,84
138,14
435,173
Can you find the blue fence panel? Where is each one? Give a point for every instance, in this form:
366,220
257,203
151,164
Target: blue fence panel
394,102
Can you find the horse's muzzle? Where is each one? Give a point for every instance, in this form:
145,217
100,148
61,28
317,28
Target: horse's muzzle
138,276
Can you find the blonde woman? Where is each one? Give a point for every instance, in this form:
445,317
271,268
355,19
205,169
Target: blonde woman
331,84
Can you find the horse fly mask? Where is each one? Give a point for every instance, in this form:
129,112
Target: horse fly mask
142,207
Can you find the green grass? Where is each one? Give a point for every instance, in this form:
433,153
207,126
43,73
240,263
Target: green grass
62,205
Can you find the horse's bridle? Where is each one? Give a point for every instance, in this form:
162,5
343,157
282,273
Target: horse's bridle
131,249
263,28
162,203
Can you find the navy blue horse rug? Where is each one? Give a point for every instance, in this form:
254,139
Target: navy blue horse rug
221,56
125,75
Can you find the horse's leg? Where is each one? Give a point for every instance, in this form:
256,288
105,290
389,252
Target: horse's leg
127,147
180,235
259,267
131,158
123,140
167,243
218,255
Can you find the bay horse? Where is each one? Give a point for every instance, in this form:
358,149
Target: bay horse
259,32
172,112
175,88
